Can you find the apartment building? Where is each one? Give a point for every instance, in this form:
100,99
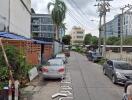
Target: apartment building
77,34
42,26
15,17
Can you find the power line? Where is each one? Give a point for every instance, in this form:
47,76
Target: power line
78,11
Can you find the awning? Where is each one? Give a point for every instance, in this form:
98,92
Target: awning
18,37
12,36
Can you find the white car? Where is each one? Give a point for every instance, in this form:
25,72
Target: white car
55,69
61,56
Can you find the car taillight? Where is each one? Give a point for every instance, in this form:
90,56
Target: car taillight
61,70
45,70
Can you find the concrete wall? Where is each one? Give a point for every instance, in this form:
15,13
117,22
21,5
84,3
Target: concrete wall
4,12
20,18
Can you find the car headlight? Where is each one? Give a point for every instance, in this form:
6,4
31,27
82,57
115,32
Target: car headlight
119,75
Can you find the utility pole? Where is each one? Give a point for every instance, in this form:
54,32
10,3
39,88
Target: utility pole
103,9
99,42
122,27
100,23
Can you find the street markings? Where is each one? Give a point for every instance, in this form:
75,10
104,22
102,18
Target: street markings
66,88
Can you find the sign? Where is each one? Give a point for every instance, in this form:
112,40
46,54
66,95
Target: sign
33,73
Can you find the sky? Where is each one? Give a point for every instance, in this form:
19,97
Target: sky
82,13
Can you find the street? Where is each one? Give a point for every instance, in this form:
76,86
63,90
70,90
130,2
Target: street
87,82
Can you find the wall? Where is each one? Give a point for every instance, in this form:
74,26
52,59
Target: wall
48,51
4,8
57,47
20,18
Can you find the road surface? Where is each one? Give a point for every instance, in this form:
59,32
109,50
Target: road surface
88,80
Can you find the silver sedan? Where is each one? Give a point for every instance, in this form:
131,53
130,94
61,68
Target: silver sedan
54,69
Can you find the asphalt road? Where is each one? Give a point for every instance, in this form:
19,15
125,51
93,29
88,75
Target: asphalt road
88,81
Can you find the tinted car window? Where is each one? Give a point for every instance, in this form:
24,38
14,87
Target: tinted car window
110,63
123,66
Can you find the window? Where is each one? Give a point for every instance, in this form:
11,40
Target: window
79,32
79,37
49,28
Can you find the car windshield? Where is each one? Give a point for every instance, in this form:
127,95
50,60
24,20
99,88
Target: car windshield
123,66
96,54
54,63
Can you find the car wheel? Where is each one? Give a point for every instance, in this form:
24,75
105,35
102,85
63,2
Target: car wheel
114,79
104,71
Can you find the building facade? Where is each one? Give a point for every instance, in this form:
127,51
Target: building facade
42,26
77,34
127,24
15,17
113,27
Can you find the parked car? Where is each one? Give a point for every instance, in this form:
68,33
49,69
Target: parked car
62,56
67,53
54,69
118,71
93,56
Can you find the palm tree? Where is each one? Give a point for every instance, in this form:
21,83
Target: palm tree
62,30
58,13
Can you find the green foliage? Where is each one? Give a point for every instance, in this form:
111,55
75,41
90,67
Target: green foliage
102,61
90,40
4,74
87,39
112,40
94,40
66,39
17,61
128,41
58,13
35,34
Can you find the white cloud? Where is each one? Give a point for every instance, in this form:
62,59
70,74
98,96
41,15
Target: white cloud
89,12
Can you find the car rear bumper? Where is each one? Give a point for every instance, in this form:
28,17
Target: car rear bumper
53,76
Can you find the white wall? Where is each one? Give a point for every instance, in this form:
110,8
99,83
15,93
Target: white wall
20,18
4,12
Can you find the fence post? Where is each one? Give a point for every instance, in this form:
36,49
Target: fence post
16,89
10,90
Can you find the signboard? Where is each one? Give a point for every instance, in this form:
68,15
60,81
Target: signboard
33,73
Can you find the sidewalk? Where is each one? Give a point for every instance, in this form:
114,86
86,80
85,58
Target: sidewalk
40,89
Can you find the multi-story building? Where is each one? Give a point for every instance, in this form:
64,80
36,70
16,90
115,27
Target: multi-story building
15,16
113,27
42,26
77,34
127,24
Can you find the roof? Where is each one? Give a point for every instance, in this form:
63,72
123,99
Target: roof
12,36
18,37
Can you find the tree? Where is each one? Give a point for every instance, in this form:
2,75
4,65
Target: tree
90,40
128,41
112,40
87,39
58,13
94,40
66,39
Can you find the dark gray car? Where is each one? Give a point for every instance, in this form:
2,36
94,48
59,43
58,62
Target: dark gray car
94,56
118,71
